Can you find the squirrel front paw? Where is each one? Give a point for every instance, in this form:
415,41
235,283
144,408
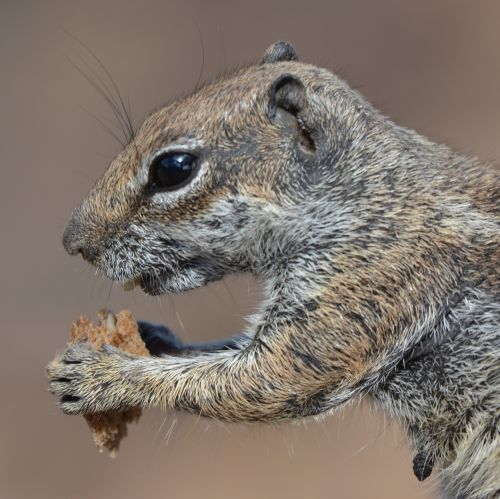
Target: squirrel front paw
88,380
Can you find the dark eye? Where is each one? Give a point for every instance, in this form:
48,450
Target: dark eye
172,170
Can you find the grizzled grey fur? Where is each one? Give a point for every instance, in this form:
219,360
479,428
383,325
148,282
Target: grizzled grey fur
378,250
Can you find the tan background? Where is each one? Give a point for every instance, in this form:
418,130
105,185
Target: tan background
432,65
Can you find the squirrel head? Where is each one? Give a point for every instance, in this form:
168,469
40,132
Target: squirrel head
221,180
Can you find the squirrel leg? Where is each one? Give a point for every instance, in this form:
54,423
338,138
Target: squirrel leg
266,380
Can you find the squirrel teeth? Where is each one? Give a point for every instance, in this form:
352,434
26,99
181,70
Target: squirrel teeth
131,284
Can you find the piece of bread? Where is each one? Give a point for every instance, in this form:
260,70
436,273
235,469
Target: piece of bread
120,331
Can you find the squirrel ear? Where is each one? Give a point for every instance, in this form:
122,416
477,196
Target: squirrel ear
287,93
288,105
279,51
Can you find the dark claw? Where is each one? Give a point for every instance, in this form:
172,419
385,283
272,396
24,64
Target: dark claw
69,398
422,465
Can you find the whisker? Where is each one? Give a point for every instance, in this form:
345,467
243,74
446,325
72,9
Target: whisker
111,123
132,140
104,126
179,320
224,283
111,285
202,46
168,435
126,118
103,94
157,434
109,93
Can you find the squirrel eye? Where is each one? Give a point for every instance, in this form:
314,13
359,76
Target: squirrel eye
172,170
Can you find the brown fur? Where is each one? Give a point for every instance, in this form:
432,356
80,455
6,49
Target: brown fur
379,252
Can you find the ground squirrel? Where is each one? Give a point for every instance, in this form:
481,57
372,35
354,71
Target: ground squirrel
378,251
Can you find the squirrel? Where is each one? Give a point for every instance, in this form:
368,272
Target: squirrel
377,248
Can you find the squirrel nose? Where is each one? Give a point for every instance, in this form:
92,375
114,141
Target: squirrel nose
75,240
72,240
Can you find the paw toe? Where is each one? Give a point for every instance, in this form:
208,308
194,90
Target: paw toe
61,371
77,353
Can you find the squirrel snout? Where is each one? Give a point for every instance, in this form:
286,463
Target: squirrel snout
74,241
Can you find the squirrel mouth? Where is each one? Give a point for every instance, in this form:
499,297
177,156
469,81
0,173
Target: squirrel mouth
192,274
151,284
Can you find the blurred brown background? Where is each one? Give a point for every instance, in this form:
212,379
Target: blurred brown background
431,65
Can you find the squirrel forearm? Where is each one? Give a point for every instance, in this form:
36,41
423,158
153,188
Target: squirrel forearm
245,385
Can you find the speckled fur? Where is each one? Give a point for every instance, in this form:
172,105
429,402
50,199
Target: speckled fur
378,249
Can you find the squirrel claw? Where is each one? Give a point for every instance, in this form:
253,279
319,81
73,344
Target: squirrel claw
422,465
